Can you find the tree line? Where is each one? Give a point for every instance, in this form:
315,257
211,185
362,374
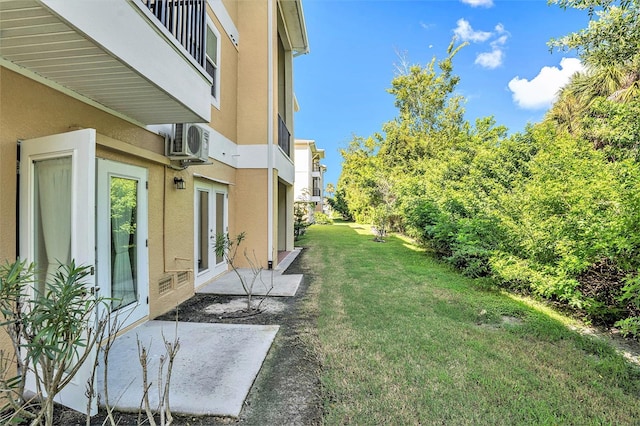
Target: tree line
553,210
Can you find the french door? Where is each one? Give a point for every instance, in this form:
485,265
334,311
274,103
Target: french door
71,209
121,218
57,196
210,207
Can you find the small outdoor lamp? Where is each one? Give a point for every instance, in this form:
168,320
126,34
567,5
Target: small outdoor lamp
179,183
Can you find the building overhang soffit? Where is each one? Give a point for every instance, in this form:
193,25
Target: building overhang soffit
296,28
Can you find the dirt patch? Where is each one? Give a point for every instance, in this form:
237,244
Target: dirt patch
287,389
507,319
628,348
267,305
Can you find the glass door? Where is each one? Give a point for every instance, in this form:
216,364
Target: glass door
210,207
122,239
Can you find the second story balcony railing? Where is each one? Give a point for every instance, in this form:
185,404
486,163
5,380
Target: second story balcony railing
284,136
185,20
316,167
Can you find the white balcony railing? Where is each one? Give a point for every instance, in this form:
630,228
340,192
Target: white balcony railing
185,20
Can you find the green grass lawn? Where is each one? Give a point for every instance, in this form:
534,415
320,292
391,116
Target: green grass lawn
406,340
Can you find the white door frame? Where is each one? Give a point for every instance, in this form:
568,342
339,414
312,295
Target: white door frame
212,189
106,170
80,146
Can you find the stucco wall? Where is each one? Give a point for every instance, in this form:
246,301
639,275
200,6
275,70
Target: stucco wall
224,119
30,109
250,212
252,72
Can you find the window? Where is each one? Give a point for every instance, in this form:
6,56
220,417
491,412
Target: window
316,187
212,65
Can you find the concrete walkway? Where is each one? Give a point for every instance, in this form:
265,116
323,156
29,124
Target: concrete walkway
216,364
283,285
213,371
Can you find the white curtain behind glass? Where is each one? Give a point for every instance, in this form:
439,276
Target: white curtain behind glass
123,204
53,194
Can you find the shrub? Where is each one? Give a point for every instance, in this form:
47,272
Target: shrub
51,333
300,223
323,219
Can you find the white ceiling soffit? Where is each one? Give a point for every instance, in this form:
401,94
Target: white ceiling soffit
296,27
36,40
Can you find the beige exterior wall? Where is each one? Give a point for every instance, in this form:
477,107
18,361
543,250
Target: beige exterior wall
30,110
250,215
250,212
252,72
225,118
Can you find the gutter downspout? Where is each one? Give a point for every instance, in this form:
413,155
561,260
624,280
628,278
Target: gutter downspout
270,115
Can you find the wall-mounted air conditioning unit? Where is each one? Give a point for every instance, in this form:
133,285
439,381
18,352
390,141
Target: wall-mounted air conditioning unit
190,143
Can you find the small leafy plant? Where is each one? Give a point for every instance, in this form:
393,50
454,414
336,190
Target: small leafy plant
51,335
227,247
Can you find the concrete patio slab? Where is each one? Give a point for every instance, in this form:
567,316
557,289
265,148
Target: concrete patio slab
288,260
229,284
283,285
213,370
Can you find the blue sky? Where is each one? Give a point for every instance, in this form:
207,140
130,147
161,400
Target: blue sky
355,46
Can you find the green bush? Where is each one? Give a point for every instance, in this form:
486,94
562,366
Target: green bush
322,219
476,240
55,331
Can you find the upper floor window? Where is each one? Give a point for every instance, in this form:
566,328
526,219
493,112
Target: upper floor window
212,65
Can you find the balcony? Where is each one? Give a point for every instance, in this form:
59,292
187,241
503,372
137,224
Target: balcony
316,170
284,136
185,20
139,58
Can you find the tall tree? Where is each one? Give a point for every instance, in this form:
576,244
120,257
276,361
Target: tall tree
357,183
330,189
429,114
612,38
610,48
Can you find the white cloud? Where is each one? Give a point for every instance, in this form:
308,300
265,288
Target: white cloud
541,91
426,26
466,33
490,60
476,3
500,41
495,57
